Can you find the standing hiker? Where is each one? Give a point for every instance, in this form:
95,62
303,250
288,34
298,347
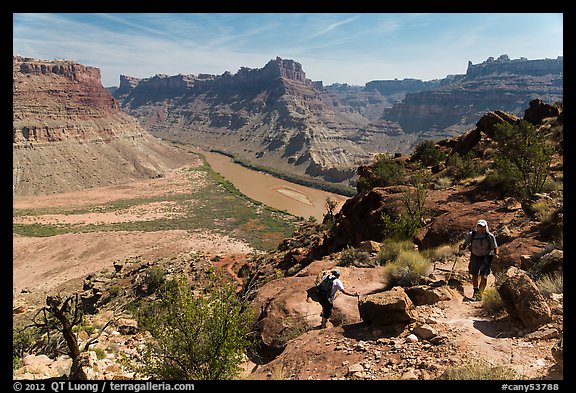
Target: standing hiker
327,292
483,248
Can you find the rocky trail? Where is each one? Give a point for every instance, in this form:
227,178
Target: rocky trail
460,332
346,349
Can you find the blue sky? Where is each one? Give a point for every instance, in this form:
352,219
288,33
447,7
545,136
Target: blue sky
352,48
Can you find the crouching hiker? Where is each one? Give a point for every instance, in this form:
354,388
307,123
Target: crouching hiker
483,248
327,292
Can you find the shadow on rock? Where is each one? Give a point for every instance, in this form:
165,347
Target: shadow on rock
370,331
495,329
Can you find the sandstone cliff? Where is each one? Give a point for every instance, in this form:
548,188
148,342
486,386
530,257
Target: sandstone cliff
69,133
274,116
459,101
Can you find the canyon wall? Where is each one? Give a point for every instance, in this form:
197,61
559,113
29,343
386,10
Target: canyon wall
69,133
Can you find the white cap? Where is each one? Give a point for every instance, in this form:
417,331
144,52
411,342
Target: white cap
482,223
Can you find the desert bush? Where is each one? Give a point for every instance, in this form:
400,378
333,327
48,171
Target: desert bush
85,326
391,248
441,252
524,155
114,290
556,184
479,370
330,216
407,269
355,257
403,227
502,177
386,172
542,210
551,283
407,223
427,153
491,301
442,183
463,167
100,353
155,277
23,343
194,337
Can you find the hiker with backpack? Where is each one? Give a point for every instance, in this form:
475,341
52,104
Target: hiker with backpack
327,291
483,248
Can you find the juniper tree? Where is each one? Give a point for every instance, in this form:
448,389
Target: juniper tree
522,158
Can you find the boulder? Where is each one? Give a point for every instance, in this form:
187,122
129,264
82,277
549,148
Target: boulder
360,218
424,294
370,246
424,332
550,263
538,110
466,142
519,253
522,299
387,308
487,123
283,310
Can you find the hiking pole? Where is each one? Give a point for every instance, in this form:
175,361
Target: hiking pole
451,271
459,253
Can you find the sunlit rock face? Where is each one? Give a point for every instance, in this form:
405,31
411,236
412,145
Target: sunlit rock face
69,133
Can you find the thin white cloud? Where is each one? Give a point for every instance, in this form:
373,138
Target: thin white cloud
331,27
331,47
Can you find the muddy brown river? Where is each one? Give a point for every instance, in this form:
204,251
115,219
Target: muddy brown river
281,194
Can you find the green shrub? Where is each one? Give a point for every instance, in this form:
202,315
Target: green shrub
407,223
442,252
553,185
442,183
100,353
114,290
428,154
491,301
524,155
23,341
386,172
543,210
463,167
402,227
155,277
407,269
503,177
293,327
194,337
391,248
85,326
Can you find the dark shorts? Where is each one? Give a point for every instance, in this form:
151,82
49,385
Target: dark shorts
326,308
480,266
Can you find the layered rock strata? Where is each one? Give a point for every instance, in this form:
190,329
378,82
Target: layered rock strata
69,133
501,84
274,116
